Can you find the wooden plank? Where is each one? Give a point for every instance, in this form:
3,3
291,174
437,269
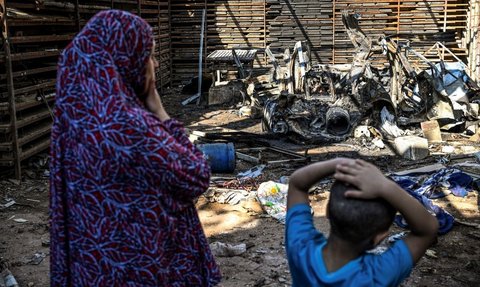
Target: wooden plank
13,125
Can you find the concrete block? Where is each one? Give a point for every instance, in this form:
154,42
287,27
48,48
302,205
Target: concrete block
412,147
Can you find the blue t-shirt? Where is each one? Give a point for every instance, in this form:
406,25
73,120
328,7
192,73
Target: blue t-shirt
304,245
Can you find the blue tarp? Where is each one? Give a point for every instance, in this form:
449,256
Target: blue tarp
425,187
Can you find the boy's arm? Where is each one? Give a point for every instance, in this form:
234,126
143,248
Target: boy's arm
305,177
372,184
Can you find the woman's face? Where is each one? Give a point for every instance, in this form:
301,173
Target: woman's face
152,64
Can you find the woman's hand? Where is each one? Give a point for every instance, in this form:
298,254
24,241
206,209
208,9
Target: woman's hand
152,100
154,103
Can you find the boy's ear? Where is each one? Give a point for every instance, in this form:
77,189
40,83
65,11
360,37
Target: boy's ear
377,238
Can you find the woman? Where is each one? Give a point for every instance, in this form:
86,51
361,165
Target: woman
123,174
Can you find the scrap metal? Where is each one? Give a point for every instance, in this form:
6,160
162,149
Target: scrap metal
324,103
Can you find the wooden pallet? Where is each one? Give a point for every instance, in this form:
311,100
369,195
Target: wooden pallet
37,33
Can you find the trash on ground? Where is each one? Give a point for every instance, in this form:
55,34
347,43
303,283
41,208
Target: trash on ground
37,258
221,249
8,279
20,220
254,172
431,253
386,243
8,204
425,187
273,197
225,195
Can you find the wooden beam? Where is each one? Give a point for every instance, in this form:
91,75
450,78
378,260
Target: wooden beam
11,91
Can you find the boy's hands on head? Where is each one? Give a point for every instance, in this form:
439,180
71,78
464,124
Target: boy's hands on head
371,183
302,179
363,175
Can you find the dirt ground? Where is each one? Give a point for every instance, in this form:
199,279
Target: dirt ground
453,261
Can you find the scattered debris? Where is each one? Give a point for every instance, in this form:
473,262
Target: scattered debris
474,235
37,258
431,131
8,278
425,187
254,172
14,181
33,200
324,103
448,149
423,169
46,240
270,155
475,225
386,243
221,249
9,203
20,220
412,147
224,195
273,197
431,253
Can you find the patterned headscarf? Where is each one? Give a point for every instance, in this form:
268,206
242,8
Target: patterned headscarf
96,110
108,55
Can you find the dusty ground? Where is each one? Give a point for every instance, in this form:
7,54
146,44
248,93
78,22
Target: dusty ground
455,261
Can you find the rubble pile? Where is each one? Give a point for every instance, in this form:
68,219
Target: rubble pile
325,103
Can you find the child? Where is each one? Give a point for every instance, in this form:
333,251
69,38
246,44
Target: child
361,209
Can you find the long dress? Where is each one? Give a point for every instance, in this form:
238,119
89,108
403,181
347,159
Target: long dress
123,183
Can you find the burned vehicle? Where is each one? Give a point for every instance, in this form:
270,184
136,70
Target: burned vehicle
324,103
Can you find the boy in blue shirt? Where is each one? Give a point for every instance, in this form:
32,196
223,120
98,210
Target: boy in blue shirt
361,208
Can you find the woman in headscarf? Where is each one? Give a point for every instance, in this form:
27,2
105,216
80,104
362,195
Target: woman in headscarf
124,176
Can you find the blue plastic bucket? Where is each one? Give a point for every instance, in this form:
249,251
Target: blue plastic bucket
220,156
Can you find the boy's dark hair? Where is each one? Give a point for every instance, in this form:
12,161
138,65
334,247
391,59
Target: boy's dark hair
356,220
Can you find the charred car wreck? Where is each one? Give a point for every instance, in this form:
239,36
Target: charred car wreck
324,103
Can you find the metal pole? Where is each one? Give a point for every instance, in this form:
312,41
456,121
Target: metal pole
200,58
11,91
77,15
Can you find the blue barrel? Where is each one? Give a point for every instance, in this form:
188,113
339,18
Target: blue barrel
220,156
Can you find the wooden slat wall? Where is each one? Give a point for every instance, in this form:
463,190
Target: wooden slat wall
239,24
471,38
36,40
161,25
307,20
281,23
186,17
320,24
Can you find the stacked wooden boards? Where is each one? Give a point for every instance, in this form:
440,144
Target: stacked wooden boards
422,23
471,38
281,23
229,24
37,31
186,20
